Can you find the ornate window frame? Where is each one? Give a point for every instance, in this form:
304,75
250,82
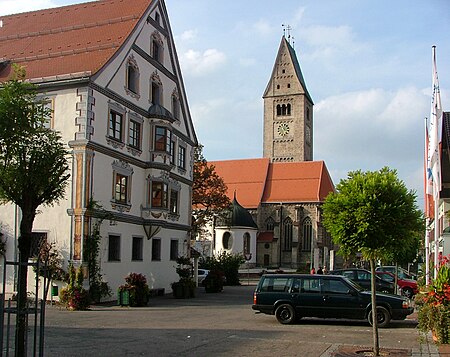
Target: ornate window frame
132,76
133,117
121,169
110,137
155,89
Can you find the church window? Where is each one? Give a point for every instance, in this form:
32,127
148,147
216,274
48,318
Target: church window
287,234
307,234
283,71
246,243
270,224
278,110
278,86
227,240
289,85
288,109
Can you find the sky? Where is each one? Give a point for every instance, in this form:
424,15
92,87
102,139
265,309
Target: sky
366,63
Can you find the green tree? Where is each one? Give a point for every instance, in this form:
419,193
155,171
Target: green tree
375,214
33,171
209,193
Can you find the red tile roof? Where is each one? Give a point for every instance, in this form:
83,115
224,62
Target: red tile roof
246,177
257,181
71,39
307,181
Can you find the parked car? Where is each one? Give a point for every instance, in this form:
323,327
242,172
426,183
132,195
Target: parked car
363,278
292,296
202,274
401,273
408,286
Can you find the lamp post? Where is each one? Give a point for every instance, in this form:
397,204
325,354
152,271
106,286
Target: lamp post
248,257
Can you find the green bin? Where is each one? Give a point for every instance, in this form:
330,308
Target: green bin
54,290
123,297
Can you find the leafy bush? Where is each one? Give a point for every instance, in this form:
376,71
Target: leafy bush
434,304
227,263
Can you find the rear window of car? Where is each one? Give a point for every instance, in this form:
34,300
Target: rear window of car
276,284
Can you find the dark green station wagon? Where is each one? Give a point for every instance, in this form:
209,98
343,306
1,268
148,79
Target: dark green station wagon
292,296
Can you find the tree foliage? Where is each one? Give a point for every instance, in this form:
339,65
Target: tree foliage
33,170
375,214
209,196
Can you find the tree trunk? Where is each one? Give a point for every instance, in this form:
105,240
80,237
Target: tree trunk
26,226
376,345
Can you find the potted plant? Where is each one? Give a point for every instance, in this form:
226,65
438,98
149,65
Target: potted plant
185,287
136,289
434,304
74,296
213,282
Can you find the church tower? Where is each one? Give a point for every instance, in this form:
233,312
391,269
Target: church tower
288,111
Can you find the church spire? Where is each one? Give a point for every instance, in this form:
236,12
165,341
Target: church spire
288,109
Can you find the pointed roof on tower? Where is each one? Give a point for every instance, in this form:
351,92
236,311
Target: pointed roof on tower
285,46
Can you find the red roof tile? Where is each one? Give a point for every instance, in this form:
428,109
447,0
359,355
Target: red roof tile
307,181
70,39
257,181
246,177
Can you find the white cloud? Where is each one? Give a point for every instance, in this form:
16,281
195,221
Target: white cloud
371,129
262,27
201,63
188,35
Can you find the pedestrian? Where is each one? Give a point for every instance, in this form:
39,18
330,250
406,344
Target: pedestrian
320,271
325,270
313,271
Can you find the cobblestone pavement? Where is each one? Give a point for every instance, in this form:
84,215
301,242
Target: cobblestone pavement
220,324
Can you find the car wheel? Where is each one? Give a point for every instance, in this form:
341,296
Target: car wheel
285,314
383,317
408,292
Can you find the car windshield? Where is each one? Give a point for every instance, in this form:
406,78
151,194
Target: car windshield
353,284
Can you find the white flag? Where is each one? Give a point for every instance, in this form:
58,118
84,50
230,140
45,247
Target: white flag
434,157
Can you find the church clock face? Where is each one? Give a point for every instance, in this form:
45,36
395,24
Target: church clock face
283,129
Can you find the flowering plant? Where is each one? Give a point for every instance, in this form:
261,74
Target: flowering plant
136,285
74,296
434,304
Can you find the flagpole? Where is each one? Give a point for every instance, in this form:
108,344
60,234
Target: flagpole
427,209
434,156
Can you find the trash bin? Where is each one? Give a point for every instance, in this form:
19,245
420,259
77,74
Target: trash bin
123,297
54,290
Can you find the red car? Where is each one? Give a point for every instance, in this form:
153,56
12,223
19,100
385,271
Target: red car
408,286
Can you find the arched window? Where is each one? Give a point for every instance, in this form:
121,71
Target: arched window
132,76
283,109
270,224
246,243
227,241
287,234
307,234
278,110
288,109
